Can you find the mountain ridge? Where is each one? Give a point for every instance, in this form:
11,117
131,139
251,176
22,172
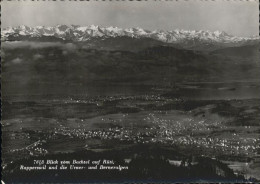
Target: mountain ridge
186,39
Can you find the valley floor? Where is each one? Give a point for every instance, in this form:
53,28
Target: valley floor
186,130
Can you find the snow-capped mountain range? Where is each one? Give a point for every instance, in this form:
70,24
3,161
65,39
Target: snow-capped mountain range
86,33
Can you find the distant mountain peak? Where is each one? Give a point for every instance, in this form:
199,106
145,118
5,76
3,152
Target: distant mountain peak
187,38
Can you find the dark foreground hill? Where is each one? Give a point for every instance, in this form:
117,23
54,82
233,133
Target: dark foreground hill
147,163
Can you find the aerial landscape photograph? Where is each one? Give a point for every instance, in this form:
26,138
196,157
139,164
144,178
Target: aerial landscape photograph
130,91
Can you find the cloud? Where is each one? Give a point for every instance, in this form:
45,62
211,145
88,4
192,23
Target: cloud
64,52
17,60
38,45
31,45
38,56
70,46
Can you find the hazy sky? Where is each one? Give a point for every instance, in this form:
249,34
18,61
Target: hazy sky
235,17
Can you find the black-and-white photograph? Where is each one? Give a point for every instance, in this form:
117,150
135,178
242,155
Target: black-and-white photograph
130,91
